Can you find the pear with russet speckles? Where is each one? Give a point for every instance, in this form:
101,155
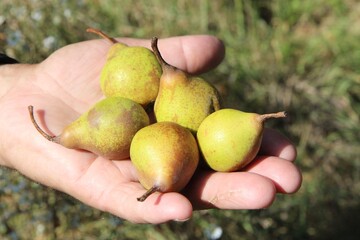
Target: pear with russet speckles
106,129
130,71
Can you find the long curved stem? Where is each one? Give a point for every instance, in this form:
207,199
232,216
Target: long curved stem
101,34
42,132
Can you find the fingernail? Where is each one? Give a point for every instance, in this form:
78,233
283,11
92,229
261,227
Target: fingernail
182,220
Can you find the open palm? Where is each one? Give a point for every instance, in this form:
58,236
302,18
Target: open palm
67,83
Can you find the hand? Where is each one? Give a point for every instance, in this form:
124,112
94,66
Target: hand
66,84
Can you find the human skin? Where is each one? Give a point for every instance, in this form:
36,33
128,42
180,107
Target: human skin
66,84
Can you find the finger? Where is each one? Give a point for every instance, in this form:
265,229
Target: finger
284,174
276,144
157,208
235,190
104,186
194,54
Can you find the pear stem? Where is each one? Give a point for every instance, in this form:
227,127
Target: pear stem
264,117
101,34
154,46
148,193
44,134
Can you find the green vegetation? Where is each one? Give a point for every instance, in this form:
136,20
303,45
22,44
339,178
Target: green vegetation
298,55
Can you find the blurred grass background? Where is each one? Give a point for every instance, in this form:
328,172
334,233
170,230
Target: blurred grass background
299,55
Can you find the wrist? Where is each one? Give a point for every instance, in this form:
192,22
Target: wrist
11,74
6,72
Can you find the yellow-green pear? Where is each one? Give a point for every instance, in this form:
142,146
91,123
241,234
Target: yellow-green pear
165,156
130,71
182,98
106,129
230,139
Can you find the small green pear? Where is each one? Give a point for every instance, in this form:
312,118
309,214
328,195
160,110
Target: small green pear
130,72
165,156
106,129
183,99
230,139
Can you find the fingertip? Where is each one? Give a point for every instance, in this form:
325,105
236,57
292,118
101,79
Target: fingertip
296,181
235,190
287,178
192,53
163,207
288,152
262,195
284,174
177,207
212,51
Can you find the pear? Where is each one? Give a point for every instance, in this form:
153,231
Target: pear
229,139
106,129
182,98
130,72
165,156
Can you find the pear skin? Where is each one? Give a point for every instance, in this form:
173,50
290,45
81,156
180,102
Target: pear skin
182,98
130,71
134,74
106,129
230,139
165,156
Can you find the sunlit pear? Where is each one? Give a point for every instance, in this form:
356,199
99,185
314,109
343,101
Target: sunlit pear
182,98
130,71
165,156
106,129
230,139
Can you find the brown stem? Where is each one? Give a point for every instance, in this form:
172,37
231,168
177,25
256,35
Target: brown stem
154,46
148,193
264,117
101,34
44,134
